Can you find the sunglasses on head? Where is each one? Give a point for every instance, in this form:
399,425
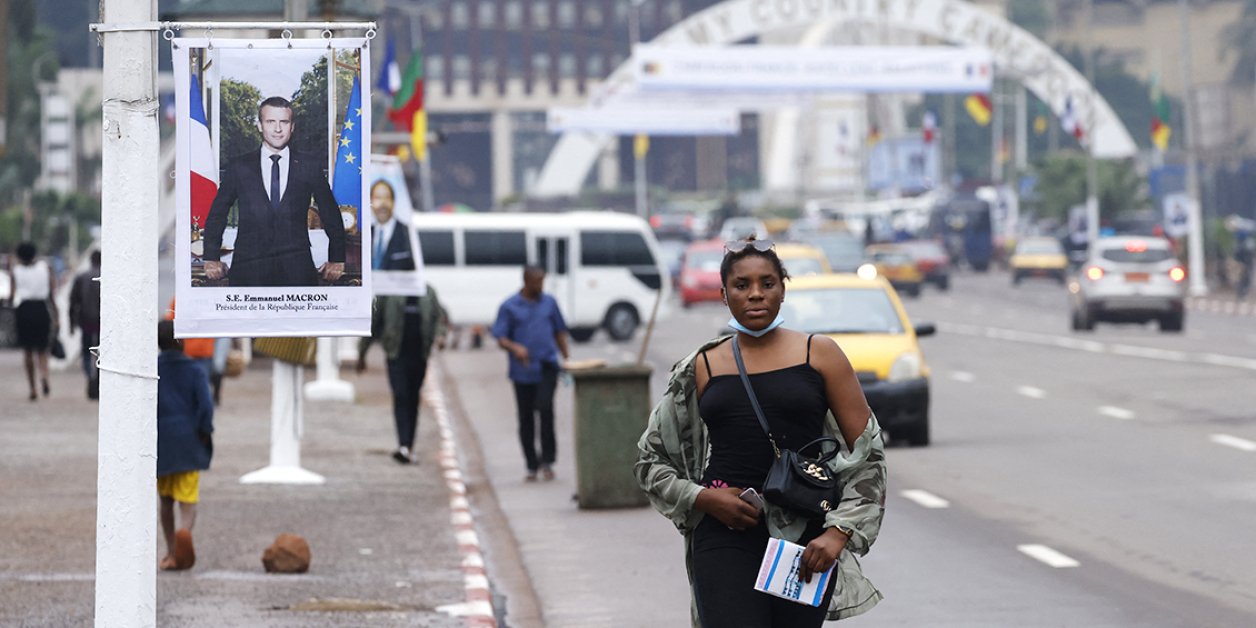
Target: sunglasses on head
737,246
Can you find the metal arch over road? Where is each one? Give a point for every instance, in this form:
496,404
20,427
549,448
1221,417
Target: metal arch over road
1017,54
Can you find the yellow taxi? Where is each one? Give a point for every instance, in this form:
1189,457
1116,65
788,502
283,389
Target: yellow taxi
803,259
895,263
866,318
1038,257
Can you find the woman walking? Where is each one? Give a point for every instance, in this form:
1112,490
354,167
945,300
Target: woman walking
705,444
33,287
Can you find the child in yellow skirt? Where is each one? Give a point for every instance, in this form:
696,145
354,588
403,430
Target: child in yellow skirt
185,425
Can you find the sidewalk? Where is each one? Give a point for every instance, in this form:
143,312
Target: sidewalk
384,550
588,568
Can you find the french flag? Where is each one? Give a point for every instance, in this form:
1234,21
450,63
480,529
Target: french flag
390,72
204,169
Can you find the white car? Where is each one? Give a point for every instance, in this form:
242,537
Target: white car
740,228
1129,279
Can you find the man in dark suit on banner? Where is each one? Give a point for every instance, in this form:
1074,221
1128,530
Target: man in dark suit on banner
273,186
390,247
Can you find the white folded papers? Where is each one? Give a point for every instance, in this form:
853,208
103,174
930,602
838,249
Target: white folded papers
779,575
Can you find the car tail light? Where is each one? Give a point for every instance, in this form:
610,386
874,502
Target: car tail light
1177,273
1094,273
689,222
655,221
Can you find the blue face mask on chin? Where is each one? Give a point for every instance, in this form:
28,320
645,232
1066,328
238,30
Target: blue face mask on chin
732,322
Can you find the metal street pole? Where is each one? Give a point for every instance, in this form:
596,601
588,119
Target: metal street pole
126,508
1092,170
1194,237
641,143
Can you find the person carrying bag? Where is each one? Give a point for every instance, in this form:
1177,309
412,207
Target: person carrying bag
712,438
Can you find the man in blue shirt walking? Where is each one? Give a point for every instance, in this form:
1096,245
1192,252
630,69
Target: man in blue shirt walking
532,331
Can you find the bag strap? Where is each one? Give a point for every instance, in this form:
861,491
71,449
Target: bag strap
754,400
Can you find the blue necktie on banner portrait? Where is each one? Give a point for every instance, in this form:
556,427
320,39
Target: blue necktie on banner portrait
346,183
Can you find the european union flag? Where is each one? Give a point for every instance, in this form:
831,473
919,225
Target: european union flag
346,181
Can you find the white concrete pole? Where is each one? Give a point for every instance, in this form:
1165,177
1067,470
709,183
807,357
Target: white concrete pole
327,385
126,500
286,426
1198,276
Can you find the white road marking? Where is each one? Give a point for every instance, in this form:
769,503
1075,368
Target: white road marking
1047,555
1233,441
1031,392
1148,352
925,498
1092,346
1116,413
963,376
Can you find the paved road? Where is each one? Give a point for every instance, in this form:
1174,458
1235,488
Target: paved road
1120,456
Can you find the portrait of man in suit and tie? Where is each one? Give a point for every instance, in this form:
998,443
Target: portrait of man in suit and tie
390,247
272,186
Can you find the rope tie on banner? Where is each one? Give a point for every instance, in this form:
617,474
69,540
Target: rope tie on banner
286,35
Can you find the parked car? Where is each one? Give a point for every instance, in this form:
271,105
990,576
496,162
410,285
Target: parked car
1039,257
672,225
866,318
893,262
1129,279
700,272
741,227
844,250
932,261
803,259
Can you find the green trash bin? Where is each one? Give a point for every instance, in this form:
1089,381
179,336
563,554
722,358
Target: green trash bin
612,406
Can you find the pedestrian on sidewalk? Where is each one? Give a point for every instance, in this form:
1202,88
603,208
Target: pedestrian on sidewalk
407,327
85,316
531,329
704,445
36,316
185,446
208,353
1244,254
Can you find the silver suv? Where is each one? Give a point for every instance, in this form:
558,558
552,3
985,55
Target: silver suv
1129,279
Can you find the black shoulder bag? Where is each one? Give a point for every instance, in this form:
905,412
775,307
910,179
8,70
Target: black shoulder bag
794,481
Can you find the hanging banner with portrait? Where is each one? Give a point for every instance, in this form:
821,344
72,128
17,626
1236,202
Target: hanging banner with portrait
396,259
272,167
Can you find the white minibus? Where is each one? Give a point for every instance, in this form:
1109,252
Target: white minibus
602,267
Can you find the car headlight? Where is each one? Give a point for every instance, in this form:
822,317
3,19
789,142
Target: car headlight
906,367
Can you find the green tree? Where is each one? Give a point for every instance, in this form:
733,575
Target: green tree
31,59
1240,36
1062,185
1031,15
237,117
309,108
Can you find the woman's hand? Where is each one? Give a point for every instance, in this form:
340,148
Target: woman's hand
725,505
822,552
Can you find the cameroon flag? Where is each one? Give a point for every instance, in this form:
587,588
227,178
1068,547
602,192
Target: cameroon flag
1160,129
409,98
978,106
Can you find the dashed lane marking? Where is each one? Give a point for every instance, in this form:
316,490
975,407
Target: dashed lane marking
1092,346
963,376
1047,555
1031,392
925,498
1233,441
1116,413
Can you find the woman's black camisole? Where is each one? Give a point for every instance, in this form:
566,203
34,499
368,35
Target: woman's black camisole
794,403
